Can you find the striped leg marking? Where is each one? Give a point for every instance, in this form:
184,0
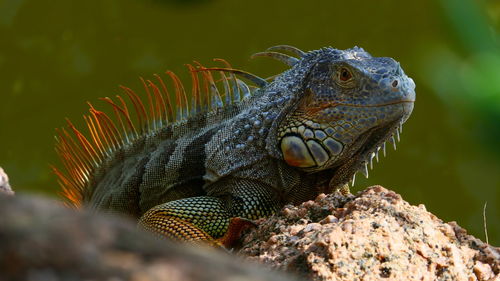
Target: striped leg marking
195,219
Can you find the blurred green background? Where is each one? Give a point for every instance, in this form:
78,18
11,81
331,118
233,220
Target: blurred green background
56,55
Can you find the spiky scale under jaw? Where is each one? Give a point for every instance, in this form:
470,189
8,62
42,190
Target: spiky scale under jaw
307,131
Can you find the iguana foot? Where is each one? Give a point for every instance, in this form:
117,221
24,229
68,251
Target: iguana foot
235,229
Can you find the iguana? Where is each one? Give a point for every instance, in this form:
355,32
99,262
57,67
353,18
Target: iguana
200,168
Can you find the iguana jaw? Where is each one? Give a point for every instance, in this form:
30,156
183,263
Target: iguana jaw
362,153
374,142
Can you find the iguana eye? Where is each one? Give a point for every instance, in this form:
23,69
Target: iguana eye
345,74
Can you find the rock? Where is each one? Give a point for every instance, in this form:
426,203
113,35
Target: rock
371,236
42,240
4,183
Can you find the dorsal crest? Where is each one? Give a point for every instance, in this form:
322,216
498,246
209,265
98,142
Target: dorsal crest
135,117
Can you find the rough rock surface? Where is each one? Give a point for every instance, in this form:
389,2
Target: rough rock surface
40,240
4,183
375,235
372,236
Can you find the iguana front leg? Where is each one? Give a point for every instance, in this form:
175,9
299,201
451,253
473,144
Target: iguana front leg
216,220
202,218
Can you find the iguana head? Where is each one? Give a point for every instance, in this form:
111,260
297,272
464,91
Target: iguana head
349,104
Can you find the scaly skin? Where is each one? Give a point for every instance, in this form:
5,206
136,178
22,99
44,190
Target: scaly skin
308,131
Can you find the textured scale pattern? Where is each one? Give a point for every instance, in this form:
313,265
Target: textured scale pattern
201,165
201,212
175,229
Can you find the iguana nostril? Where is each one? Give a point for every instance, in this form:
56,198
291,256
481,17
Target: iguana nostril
395,83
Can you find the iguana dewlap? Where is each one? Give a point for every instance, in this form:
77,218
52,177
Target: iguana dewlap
199,168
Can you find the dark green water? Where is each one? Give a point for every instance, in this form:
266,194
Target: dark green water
56,55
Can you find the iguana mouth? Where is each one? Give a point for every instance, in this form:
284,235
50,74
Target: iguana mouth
375,105
323,106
